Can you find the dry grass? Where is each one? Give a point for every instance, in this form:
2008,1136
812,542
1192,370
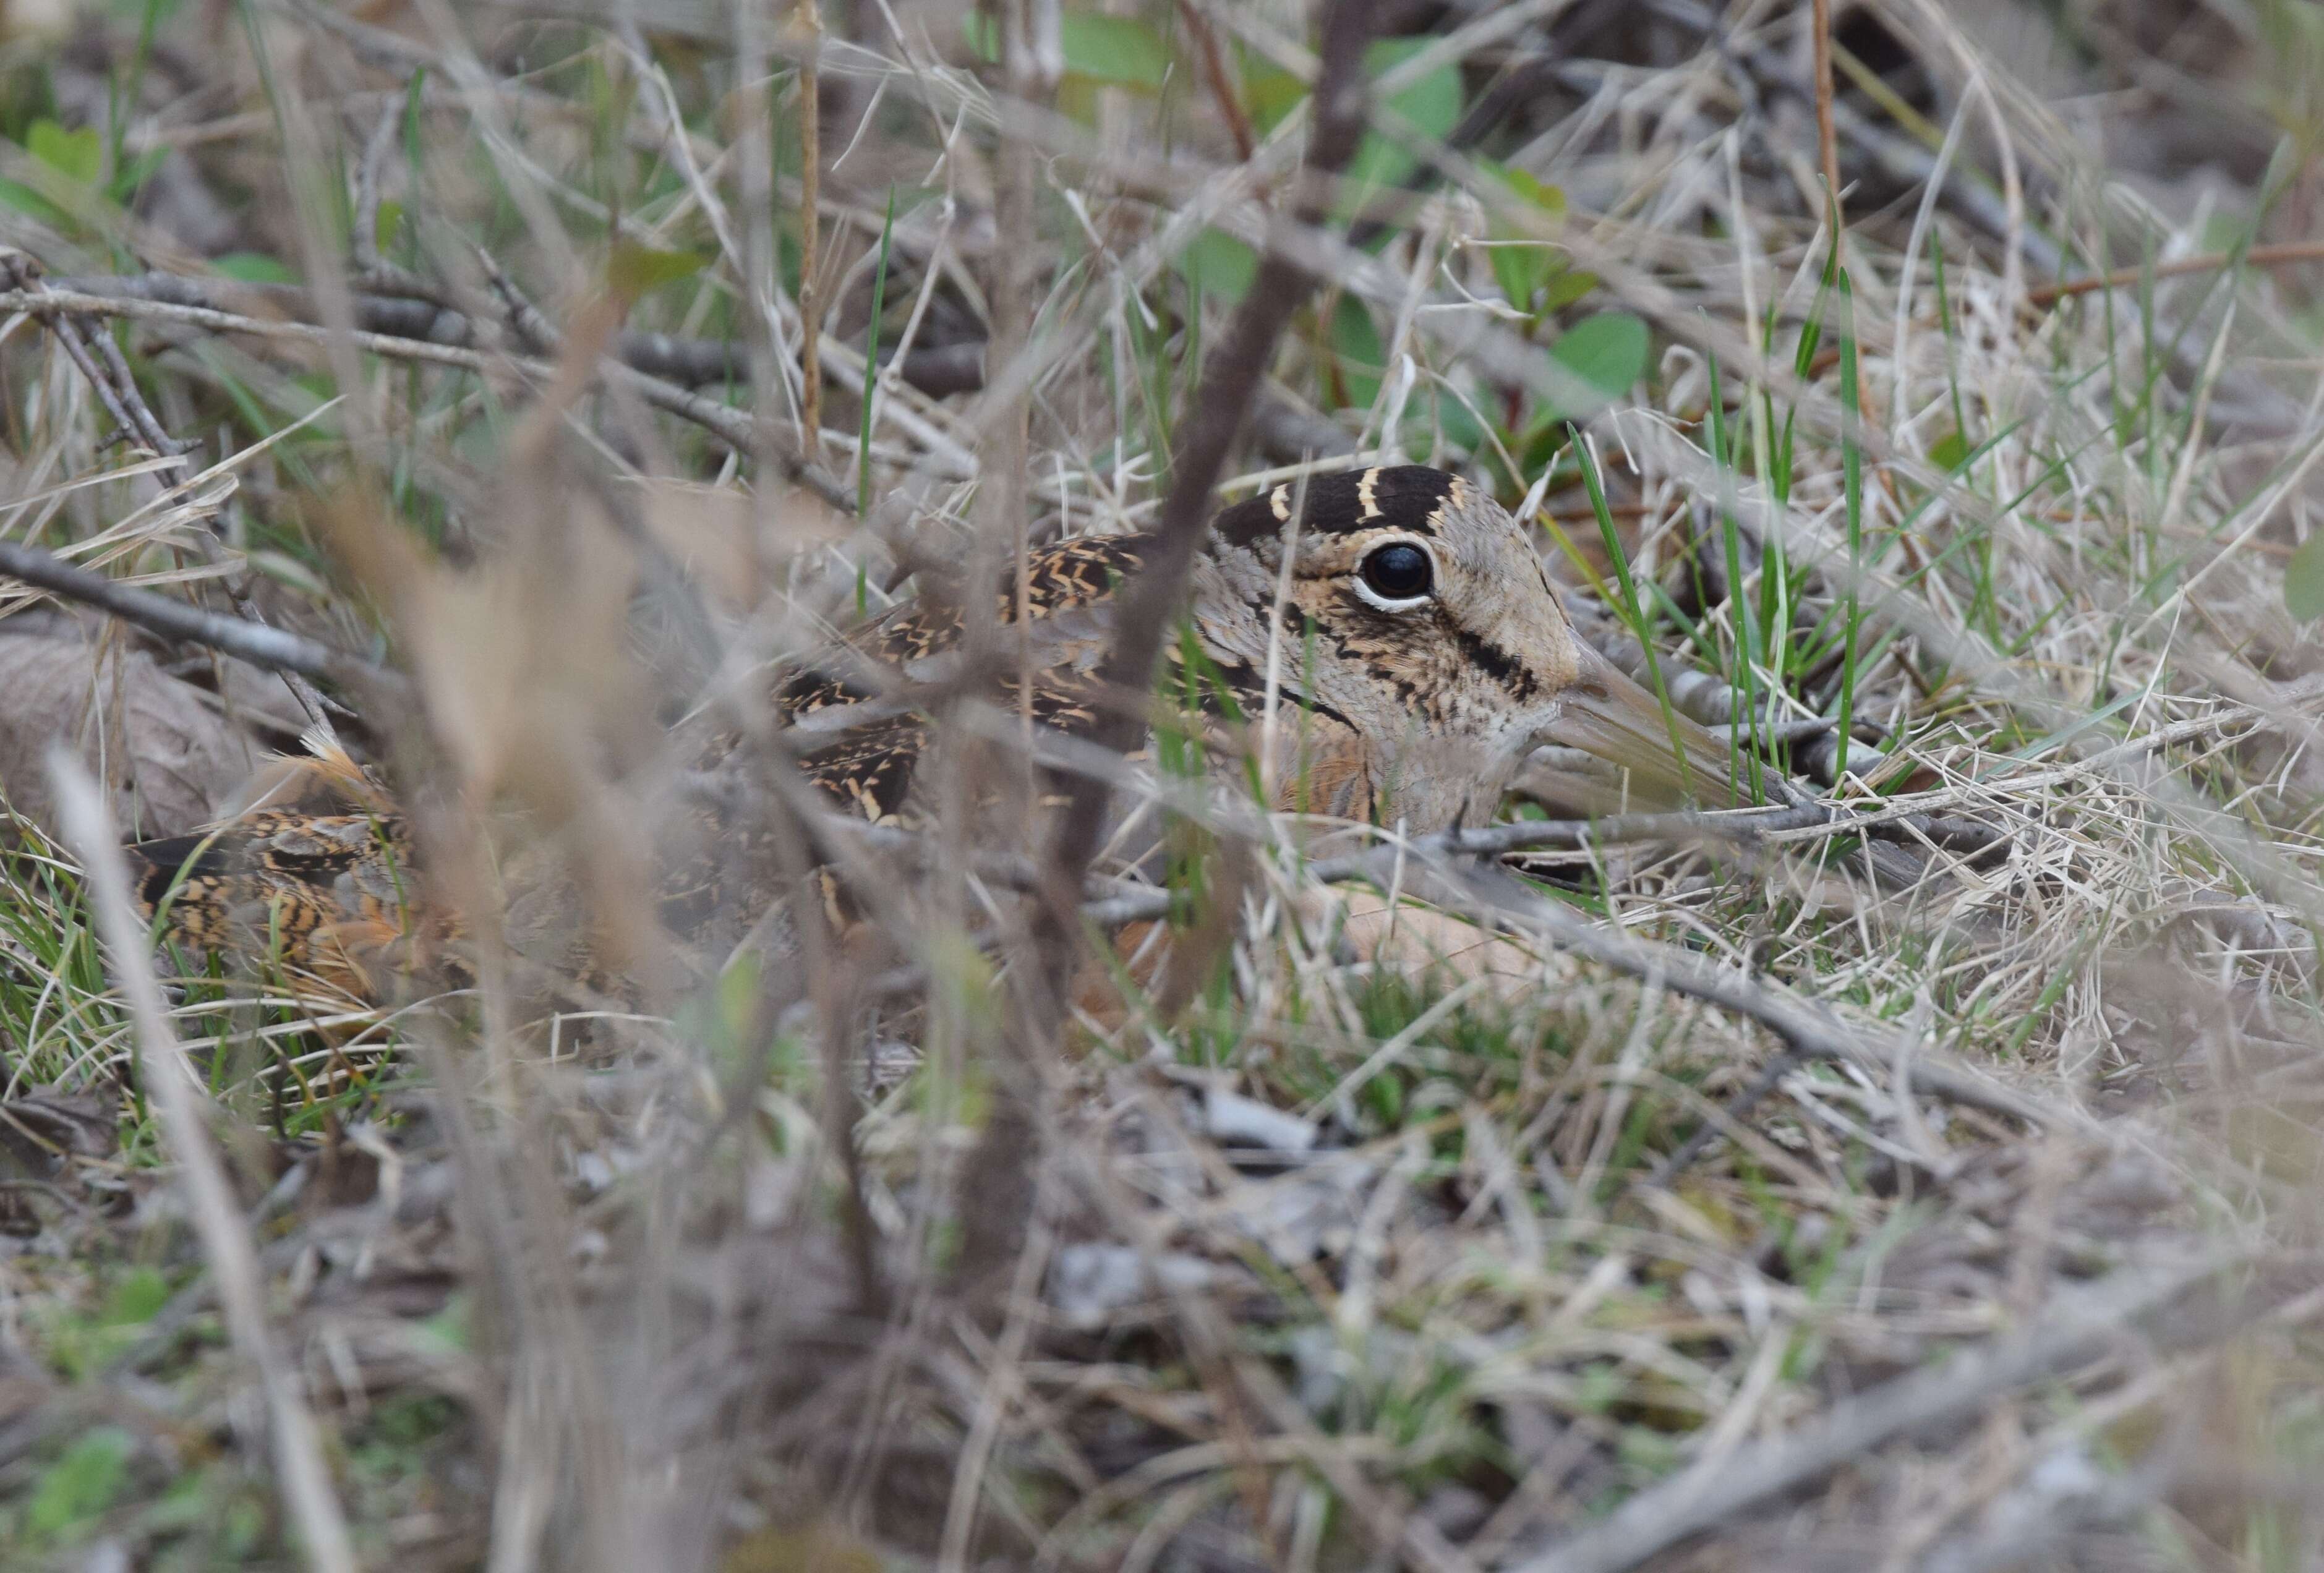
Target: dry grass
1930,1182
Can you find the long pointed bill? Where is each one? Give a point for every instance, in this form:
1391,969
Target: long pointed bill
1671,759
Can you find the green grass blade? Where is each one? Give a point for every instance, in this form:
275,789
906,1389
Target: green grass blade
1632,612
872,361
1747,641
1851,470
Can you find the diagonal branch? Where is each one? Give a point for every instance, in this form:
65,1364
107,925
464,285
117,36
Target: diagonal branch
116,388
2074,1328
272,647
172,1081
1221,401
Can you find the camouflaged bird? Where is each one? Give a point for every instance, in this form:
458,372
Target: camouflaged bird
316,875
1403,617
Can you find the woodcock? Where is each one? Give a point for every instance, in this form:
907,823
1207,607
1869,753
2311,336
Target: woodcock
1417,650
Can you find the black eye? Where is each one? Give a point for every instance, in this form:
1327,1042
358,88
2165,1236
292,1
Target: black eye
1398,571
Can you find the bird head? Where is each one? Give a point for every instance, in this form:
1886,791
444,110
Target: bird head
1410,616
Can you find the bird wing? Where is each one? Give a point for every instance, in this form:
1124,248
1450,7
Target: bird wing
321,894
860,695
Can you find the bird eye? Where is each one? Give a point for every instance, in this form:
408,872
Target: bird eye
1398,571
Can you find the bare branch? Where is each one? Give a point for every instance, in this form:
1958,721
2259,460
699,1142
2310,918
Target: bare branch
1229,384
271,648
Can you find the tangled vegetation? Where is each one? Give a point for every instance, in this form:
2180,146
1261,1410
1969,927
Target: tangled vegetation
1917,1169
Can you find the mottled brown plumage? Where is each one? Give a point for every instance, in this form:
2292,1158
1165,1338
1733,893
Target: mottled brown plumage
1402,621
313,881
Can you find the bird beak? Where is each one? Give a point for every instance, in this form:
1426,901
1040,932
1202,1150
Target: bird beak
1671,759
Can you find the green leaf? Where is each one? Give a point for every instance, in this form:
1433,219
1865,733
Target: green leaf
1119,52
136,1299
415,103
1358,359
2303,580
1567,286
1269,93
1522,269
1950,452
1431,105
1607,354
1431,102
253,268
80,1484
78,155
384,223
1221,266
33,205
1550,199
633,269
1460,428
450,1330
1524,266
132,177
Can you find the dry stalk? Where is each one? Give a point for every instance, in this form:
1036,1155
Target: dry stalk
2074,1327
176,1087
807,31
998,1184
1827,137
1215,78
1229,384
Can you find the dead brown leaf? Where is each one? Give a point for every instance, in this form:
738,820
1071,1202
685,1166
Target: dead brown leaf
172,761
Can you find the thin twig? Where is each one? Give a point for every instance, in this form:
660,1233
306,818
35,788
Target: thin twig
1731,1114
692,362
1827,137
1214,77
1804,1028
2281,254
272,647
532,329
20,272
175,1087
810,32
729,424
1229,384
2075,1328
117,386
